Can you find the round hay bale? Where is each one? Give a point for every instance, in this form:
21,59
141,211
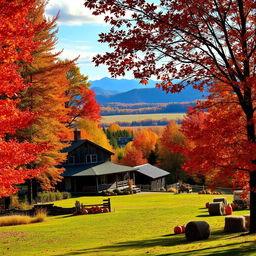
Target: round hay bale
221,199
247,221
216,209
234,224
197,230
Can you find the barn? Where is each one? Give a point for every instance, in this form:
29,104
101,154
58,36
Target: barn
150,178
88,169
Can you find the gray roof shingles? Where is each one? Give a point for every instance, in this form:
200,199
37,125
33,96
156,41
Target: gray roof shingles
151,171
96,170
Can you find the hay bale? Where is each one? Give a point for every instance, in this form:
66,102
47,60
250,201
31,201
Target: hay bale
197,230
234,224
221,199
247,221
216,209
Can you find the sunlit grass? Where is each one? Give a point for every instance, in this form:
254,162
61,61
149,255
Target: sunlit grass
140,224
13,220
140,117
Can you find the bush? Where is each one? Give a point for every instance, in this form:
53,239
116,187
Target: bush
22,219
66,195
49,196
16,204
40,215
172,190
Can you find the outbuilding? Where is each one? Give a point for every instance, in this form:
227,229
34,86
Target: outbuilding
150,178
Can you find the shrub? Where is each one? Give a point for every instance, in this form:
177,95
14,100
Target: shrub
49,196
16,204
172,190
66,195
22,219
14,220
41,214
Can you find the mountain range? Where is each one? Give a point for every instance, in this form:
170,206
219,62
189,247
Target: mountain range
130,91
120,85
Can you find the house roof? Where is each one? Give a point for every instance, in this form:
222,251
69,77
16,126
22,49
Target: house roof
96,170
151,171
78,143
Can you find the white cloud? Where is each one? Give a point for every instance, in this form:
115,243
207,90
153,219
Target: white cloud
84,56
72,12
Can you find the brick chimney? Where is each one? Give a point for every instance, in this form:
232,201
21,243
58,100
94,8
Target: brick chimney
77,135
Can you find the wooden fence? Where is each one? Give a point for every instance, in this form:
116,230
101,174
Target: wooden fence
197,188
106,204
56,210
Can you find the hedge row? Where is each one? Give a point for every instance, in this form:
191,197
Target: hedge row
43,197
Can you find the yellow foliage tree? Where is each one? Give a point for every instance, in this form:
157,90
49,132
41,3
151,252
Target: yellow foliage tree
114,127
91,130
46,99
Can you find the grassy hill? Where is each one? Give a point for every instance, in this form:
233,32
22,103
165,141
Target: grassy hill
139,225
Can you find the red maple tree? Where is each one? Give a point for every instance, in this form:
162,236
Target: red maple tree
133,156
218,149
16,36
82,102
207,43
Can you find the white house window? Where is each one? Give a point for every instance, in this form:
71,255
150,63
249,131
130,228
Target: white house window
92,158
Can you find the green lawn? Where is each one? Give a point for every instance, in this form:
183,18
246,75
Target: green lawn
139,225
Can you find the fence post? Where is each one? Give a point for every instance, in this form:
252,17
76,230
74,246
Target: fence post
109,206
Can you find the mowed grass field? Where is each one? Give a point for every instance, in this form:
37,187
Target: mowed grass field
140,117
140,224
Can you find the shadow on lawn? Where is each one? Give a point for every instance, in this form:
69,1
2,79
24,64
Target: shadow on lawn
223,250
170,240
138,244
204,215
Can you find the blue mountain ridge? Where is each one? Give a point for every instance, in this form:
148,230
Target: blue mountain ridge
120,85
131,91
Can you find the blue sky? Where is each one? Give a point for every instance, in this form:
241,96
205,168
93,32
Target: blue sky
78,35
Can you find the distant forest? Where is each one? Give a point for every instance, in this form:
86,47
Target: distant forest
116,108
146,122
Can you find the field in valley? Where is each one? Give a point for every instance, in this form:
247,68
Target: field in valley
139,225
141,117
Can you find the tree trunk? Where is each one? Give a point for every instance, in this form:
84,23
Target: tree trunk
253,202
251,137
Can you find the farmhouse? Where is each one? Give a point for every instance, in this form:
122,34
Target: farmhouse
150,178
89,168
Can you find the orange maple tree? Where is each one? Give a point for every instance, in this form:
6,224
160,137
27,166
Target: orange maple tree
17,34
207,43
59,95
145,141
46,98
133,156
168,157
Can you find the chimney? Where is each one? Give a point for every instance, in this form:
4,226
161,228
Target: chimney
77,135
